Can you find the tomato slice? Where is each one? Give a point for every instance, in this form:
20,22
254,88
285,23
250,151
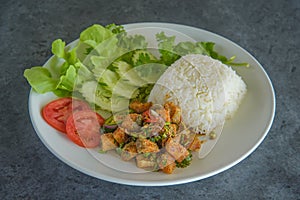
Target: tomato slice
83,128
57,112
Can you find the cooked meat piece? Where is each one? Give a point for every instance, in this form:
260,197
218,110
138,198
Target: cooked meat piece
166,163
152,129
146,161
185,138
175,112
129,151
163,113
146,146
120,135
163,142
195,145
176,150
140,107
108,142
169,168
177,138
165,159
132,122
168,112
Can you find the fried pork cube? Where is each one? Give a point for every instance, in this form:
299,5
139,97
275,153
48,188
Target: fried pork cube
108,142
166,163
168,113
185,138
169,168
195,145
119,135
132,122
163,113
175,112
140,107
165,159
163,142
146,146
176,150
146,161
129,151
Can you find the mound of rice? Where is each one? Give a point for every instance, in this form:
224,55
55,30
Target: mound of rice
207,91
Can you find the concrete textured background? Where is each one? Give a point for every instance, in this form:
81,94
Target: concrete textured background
269,30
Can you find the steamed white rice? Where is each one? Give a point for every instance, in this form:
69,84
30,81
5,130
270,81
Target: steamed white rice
207,91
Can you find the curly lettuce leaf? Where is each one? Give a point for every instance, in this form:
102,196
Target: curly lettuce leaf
116,29
170,52
133,42
128,74
141,57
143,93
209,50
166,47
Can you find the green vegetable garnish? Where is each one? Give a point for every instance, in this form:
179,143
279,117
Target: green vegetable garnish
171,52
186,162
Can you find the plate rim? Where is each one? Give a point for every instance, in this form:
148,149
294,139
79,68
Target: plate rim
166,182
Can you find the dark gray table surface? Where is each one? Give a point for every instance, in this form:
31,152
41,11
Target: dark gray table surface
269,30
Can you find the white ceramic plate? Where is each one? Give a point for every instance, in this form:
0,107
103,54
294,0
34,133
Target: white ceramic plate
241,135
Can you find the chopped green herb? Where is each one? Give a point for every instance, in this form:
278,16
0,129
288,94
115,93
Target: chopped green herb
186,162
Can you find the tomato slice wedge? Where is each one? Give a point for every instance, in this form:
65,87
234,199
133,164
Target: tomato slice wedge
57,112
83,128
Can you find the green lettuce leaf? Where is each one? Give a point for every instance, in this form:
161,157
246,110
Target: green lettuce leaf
128,74
95,34
166,47
143,93
83,73
133,42
141,57
67,81
71,56
40,79
209,50
109,79
62,93
58,48
94,93
170,52
116,29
